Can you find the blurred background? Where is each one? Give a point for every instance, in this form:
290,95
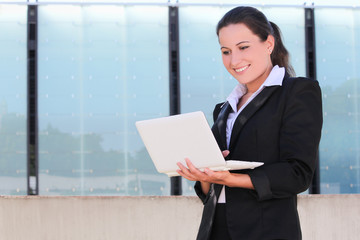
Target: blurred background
76,75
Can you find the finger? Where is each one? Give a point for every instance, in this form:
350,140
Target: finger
196,173
191,167
184,172
183,168
225,153
181,173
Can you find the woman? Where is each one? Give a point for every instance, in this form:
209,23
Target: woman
269,117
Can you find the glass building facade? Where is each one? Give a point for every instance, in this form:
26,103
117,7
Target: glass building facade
101,67
13,100
338,64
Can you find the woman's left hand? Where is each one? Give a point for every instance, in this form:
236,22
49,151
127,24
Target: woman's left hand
193,174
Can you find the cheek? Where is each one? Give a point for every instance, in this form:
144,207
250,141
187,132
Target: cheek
226,61
262,55
261,58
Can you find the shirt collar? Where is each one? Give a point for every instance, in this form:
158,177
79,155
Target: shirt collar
275,78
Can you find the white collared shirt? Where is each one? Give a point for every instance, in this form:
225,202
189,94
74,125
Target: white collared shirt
275,78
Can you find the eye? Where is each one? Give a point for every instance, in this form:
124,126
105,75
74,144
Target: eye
243,47
225,52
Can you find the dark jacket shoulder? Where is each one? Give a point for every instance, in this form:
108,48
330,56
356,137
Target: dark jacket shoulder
298,81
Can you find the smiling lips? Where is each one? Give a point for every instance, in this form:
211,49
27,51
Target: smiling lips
238,70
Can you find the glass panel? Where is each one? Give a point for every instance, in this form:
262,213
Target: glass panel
204,79
13,107
245,2
338,54
105,1
101,68
298,3
11,1
336,2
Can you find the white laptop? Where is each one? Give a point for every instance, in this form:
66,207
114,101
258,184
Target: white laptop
169,140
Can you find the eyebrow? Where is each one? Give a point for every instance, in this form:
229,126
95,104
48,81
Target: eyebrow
242,42
237,44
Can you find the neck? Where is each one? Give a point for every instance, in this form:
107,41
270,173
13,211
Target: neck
251,88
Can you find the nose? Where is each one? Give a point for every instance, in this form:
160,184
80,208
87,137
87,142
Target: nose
236,58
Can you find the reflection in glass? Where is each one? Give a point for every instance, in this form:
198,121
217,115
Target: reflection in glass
101,68
13,114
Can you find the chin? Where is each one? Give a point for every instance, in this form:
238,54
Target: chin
242,81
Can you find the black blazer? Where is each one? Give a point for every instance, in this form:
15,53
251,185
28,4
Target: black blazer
280,127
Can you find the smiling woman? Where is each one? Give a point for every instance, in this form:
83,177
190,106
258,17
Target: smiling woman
269,117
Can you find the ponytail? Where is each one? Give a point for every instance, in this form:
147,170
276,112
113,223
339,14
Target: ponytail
280,56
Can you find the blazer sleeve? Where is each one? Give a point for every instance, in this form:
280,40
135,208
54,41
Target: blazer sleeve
299,139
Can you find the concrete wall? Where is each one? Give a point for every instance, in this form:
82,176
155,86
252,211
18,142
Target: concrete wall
328,217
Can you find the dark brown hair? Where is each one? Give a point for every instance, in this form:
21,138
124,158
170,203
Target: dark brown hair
257,22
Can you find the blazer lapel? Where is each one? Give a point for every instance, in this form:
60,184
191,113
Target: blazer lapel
249,110
219,127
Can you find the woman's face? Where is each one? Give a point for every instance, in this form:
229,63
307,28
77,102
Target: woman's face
245,56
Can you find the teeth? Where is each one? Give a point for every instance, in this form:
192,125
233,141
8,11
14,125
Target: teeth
241,69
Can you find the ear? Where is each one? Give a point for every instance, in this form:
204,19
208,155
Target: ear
270,43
